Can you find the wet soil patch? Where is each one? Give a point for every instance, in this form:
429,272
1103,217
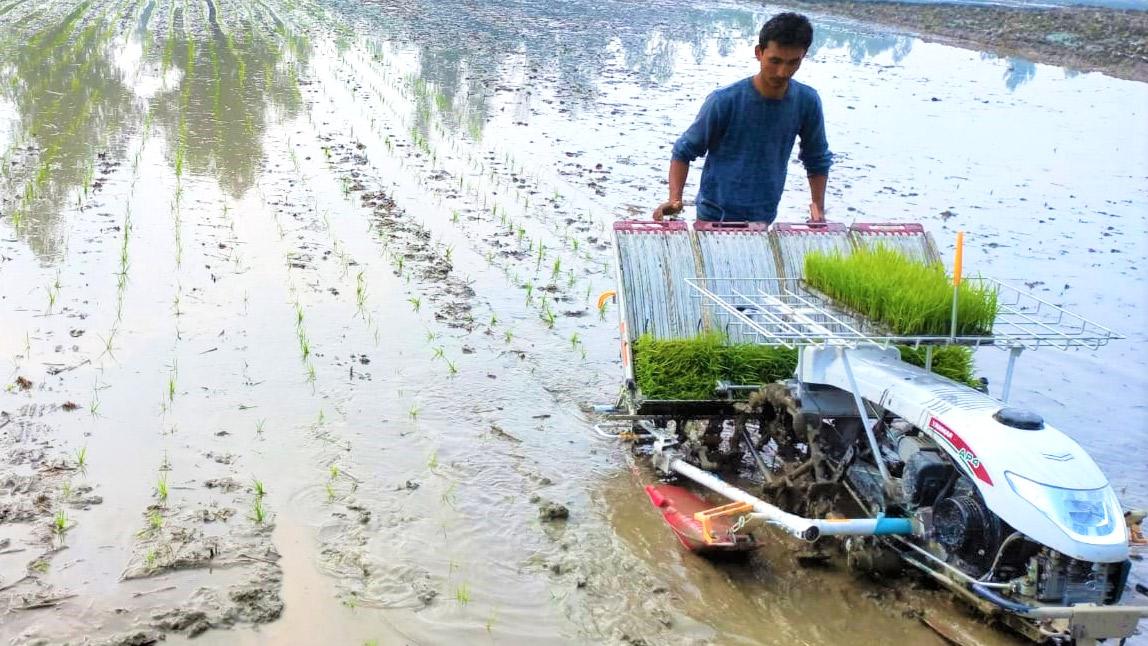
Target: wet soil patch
1086,38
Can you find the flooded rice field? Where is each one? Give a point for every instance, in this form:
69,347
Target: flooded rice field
298,309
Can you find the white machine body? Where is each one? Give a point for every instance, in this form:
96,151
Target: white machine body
1039,481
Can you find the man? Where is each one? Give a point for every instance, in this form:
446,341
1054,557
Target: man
747,131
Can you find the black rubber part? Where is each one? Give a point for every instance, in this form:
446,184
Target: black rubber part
1019,418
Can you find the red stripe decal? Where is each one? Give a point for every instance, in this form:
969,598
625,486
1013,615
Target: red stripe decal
967,454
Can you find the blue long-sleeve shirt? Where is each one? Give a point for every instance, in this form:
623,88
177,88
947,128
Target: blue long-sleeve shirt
747,140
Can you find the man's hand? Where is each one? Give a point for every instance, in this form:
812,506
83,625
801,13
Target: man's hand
816,214
671,207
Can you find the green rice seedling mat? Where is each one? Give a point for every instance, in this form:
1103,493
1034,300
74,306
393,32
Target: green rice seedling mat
689,369
910,297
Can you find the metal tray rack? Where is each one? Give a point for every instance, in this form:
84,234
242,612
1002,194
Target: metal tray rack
788,312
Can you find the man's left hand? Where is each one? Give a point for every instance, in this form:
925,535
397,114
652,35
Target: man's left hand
816,213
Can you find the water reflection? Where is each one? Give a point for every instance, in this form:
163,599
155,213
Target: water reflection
463,46
72,104
1018,71
860,46
215,117
80,94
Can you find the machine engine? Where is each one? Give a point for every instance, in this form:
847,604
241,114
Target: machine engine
963,531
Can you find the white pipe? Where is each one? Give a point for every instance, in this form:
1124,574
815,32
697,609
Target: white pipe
800,527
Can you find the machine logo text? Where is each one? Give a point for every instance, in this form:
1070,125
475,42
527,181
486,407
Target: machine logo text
964,452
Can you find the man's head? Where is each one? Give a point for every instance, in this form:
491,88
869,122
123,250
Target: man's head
781,46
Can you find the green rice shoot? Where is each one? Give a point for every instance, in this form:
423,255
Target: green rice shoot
910,297
689,369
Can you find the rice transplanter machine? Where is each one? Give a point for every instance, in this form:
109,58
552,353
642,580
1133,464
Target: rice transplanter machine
905,467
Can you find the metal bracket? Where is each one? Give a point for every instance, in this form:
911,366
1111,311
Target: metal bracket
706,518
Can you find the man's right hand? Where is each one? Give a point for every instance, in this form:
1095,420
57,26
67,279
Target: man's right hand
672,207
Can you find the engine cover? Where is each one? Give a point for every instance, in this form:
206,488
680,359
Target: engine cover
925,474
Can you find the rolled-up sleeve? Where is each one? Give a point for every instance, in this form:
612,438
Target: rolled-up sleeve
703,134
814,152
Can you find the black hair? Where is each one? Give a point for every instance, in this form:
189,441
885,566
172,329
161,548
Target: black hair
788,30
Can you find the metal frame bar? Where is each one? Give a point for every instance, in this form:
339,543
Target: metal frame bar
797,315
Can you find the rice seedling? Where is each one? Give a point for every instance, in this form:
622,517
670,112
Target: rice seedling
529,287
547,315
910,297
109,348
258,513
330,492
161,489
155,521
691,368
557,269
451,368
462,594
150,559
413,412
259,426
432,459
304,345
257,487
575,340
60,523
438,353
360,291
416,302
82,458
66,490
448,253
334,471
447,498
508,336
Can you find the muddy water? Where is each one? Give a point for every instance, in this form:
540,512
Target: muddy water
303,295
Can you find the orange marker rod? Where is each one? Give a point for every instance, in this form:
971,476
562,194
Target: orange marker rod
958,260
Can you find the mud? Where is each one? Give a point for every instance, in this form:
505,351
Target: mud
1111,41
299,301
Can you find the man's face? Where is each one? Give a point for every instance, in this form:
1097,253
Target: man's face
778,63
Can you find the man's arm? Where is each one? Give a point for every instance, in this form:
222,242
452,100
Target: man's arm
817,185
697,140
679,170
816,157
